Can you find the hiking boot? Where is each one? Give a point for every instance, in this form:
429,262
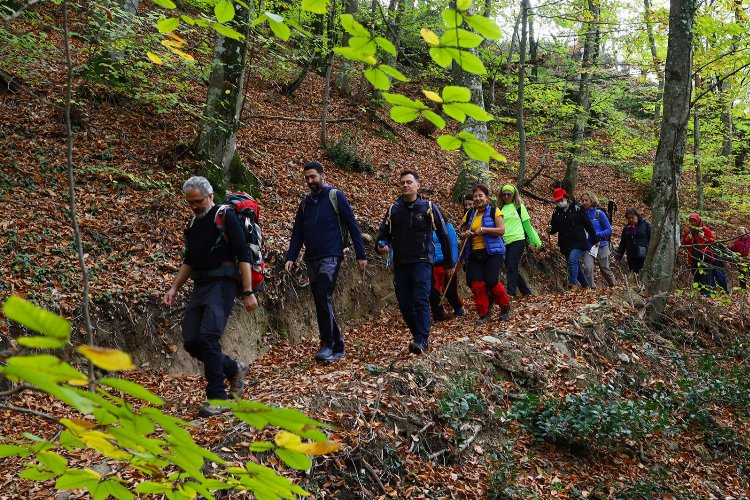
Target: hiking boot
324,353
505,314
209,410
237,383
335,357
417,347
483,319
459,312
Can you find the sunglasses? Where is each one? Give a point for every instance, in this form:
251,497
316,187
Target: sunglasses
196,203
506,194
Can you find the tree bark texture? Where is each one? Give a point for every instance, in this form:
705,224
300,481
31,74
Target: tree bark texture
647,13
590,49
345,75
520,104
665,186
217,140
697,153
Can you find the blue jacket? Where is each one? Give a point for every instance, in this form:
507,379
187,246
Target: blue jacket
439,248
316,225
601,225
407,228
494,244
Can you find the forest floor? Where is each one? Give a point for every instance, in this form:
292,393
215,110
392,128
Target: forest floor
403,435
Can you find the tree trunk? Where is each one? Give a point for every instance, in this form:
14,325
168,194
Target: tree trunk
520,104
665,186
697,156
217,140
727,131
584,98
471,172
324,111
654,58
533,45
512,46
122,25
345,75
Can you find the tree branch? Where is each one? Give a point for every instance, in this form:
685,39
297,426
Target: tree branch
18,409
717,83
294,119
17,13
15,390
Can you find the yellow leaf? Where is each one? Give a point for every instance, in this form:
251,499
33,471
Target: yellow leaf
429,36
286,439
175,37
318,448
184,55
433,96
107,359
77,425
154,58
172,44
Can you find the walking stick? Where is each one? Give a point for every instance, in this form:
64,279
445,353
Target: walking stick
460,252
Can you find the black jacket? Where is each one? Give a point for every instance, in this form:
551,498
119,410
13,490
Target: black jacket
573,224
205,246
629,242
407,228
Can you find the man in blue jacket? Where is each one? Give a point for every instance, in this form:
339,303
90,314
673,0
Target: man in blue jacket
407,226
323,220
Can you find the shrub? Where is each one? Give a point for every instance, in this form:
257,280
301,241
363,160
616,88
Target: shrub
344,154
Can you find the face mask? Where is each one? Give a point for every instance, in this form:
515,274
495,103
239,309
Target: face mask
562,204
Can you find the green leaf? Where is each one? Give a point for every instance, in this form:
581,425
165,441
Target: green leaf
458,37
281,30
315,6
35,474
52,368
153,488
377,78
364,44
77,478
167,4
468,61
484,26
355,55
479,150
224,11
294,459
474,111
402,114
402,100
188,19
258,446
41,342
452,110
52,461
452,93
168,25
36,318
392,72
352,26
112,488
449,143
7,450
434,118
133,389
463,4
69,441
275,17
228,32
441,56
452,19
386,45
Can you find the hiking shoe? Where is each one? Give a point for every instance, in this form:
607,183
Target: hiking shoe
483,319
505,314
417,347
334,357
324,353
209,410
459,312
237,383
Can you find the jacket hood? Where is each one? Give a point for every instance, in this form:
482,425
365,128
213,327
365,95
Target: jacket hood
695,217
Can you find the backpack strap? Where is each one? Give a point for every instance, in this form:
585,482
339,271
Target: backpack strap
432,215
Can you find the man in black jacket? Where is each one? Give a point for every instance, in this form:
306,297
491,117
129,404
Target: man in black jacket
219,263
407,227
576,234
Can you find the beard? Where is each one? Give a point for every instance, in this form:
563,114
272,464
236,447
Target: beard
314,186
199,214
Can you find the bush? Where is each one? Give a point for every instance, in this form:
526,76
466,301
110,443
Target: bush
344,154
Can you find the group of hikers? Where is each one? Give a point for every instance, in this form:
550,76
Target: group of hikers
423,249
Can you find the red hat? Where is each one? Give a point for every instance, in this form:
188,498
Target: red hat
558,194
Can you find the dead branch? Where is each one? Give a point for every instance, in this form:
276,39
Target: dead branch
374,475
18,409
476,430
295,119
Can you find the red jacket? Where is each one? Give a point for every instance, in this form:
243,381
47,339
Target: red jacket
697,246
741,245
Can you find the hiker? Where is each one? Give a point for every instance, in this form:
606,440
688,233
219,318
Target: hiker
518,230
468,202
485,254
599,252
634,240
444,286
698,240
323,222
407,227
220,266
575,234
741,246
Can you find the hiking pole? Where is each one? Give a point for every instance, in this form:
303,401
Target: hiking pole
460,252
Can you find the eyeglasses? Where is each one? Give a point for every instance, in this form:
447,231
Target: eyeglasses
196,203
506,194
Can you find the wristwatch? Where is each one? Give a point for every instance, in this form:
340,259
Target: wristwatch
248,293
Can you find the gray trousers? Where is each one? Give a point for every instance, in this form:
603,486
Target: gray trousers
602,258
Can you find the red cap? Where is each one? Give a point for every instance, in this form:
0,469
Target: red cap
558,194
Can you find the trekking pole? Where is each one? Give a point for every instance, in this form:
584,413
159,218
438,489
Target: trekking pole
460,252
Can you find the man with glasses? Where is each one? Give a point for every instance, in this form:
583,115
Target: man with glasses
220,266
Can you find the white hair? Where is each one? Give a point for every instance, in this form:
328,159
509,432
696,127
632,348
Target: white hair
198,182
